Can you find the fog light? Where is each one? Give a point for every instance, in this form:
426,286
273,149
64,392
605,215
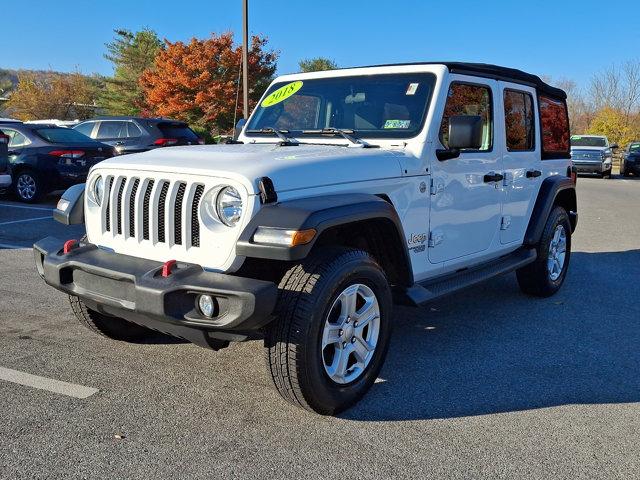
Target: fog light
207,305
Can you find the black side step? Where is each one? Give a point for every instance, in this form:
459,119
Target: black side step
432,289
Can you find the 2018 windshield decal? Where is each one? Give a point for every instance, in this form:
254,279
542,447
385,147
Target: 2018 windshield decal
282,94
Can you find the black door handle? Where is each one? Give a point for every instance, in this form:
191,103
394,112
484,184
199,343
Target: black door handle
533,173
493,177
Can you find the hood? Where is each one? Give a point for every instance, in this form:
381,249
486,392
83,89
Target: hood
290,168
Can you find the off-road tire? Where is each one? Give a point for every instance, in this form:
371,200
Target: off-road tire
534,279
111,327
293,341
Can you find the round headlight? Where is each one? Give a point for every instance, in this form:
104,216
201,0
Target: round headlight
97,190
229,206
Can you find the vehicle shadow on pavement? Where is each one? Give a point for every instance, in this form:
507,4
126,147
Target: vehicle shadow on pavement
490,349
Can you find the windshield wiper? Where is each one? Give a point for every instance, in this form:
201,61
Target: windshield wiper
345,133
286,141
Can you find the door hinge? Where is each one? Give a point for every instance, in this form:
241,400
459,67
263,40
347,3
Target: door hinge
435,238
437,186
506,222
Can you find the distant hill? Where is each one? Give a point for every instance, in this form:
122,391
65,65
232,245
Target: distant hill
9,77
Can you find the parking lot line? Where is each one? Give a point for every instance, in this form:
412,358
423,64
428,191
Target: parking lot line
26,220
25,207
48,384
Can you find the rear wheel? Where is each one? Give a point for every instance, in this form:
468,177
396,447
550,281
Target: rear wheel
28,186
545,276
107,326
331,335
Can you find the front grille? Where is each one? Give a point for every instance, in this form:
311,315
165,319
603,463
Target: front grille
161,208
160,211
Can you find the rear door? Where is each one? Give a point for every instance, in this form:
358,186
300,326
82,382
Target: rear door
466,200
522,169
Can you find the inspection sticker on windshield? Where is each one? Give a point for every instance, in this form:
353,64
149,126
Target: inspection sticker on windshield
282,94
412,89
397,123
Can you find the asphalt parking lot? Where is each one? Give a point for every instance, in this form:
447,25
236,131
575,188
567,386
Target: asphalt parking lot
485,384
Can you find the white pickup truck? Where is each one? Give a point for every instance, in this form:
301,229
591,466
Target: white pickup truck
347,192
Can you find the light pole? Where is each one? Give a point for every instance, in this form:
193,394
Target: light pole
245,58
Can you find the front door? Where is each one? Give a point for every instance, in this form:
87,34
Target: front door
466,191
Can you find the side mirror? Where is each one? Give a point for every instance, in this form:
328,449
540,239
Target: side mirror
239,126
465,132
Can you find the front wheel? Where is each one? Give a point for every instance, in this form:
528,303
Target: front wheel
545,276
111,327
331,334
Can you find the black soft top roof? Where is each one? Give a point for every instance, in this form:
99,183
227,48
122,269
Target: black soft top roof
493,71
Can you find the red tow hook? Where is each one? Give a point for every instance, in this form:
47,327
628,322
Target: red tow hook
167,268
69,245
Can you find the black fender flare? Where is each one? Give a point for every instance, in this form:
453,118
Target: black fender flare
70,208
550,190
321,214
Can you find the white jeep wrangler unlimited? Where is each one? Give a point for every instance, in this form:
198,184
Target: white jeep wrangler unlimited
347,191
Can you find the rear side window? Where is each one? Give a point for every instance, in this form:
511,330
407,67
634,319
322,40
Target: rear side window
178,130
518,120
133,131
16,139
467,99
62,135
85,128
112,129
554,121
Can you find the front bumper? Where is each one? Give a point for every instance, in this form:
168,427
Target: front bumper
134,289
592,167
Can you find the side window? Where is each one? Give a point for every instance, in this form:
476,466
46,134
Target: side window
133,131
555,126
16,139
467,99
518,120
112,129
85,128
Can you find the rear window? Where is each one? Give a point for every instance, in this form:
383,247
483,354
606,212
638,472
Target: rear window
578,141
634,147
554,120
62,135
177,130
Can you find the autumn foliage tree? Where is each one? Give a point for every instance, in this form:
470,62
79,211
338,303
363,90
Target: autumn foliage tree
197,82
53,95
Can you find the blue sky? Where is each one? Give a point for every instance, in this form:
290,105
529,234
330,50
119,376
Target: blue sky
562,38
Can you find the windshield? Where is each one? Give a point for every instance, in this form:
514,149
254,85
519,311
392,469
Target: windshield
578,141
372,106
63,135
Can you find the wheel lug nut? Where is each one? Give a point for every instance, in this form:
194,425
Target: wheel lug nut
344,344
341,332
353,339
355,324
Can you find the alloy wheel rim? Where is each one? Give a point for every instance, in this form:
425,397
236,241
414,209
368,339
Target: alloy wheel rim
350,333
26,186
557,253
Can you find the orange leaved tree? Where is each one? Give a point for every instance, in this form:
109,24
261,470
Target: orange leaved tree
197,82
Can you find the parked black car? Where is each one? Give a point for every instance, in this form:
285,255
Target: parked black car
630,162
5,174
44,158
135,134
